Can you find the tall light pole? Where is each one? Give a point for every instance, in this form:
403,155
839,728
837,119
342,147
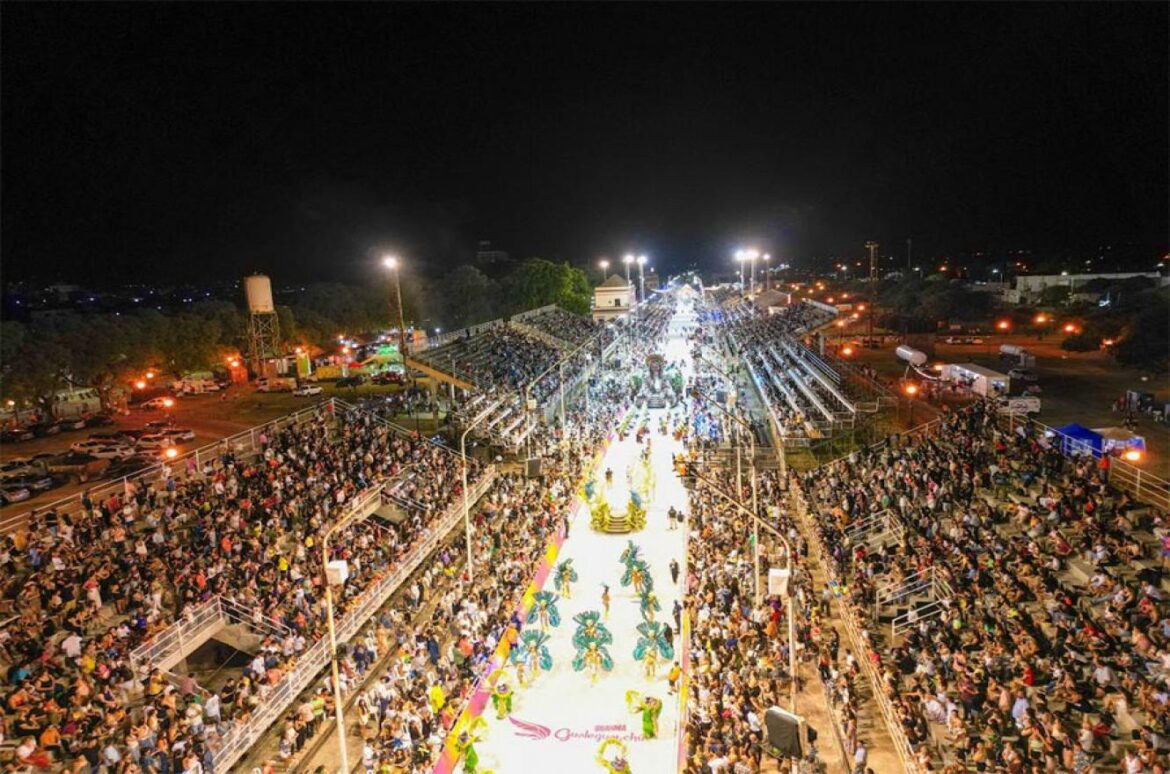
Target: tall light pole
642,276
466,495
740,257
872,247
604,264
627,260
740,429
391,263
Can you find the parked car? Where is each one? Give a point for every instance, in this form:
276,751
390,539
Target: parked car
34,482
71,423
351,381
130,465
15,434
79,467
18,466
307,390
178,434
1024,375
388,377
103,449
99,420
42,429
13,494
155,441
277,384
159,403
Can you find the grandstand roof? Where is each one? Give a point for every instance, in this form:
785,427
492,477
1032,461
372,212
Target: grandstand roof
614,281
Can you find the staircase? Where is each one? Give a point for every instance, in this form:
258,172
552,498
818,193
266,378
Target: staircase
618,524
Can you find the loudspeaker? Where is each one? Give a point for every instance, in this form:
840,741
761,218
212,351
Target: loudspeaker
532,467
783,729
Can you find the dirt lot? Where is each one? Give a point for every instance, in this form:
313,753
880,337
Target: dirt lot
212,416
1077,387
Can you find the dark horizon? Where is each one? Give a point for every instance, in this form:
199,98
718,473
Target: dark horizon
198,142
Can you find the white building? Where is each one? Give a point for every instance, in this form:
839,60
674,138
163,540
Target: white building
612,298
1029,287
980,380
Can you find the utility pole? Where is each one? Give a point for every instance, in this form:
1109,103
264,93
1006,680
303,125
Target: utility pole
872,247
909,245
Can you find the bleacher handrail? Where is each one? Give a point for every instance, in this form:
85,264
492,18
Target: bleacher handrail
240,738
1143,485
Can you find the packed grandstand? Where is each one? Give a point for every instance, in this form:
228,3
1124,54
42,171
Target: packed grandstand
966,595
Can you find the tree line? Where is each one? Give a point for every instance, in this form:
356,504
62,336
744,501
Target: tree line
101,349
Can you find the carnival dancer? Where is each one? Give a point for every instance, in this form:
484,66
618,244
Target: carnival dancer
590,640
638,574
564,576
648,604
465,744
531,655
617,764
544,610
651,643
605,600
502,699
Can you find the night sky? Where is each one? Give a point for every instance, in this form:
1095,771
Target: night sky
154,142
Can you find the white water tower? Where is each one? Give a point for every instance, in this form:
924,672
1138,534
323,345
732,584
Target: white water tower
263,329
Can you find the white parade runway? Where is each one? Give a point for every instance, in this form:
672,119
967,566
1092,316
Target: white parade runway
557,723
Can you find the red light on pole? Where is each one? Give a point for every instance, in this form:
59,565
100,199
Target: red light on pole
911,390
140,384
1003,325
847,351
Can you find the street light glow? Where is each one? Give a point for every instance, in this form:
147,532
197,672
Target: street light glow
911,390
390,262
628,259
641,260
1133,455
1003,325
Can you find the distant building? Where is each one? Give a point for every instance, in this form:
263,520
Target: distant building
1029,287
612,298
486,256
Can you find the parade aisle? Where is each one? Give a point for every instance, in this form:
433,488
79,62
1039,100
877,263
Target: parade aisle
558,723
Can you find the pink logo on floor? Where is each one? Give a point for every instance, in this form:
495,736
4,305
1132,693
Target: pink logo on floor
530,730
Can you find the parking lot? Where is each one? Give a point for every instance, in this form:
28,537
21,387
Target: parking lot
1076,386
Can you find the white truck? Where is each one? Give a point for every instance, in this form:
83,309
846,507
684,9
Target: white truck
1019,405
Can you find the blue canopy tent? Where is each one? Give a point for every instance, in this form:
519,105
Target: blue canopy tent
1078,439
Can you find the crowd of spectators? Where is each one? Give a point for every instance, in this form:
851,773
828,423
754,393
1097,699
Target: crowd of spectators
758,338
573,328
1053,654
442,652
91,586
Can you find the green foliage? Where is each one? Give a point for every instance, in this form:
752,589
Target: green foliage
537,282
1145,339
1081,342
468,296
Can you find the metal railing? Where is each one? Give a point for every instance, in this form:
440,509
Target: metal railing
859,644
242,443
195,626
192,627
875,527
1141,484
240,738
